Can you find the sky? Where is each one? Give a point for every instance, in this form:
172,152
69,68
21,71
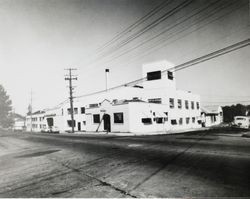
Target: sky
41,38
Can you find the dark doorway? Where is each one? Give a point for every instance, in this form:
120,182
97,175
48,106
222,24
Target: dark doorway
106,121
79,126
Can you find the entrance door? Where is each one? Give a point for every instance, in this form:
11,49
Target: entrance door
79,126
106,121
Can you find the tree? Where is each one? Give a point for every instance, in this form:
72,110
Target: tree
6,119
229,112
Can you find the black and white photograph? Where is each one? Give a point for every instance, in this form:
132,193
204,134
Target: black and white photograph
125,99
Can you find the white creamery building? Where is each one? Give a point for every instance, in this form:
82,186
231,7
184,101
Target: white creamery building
156,106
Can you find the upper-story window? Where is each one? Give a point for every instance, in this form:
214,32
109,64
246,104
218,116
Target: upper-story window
155,100
170,75
179,103
93,105
69,110
154,75
171,102
180,121
186,104
75,110
197,105
192,105
82,110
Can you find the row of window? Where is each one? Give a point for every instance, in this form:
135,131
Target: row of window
82,110
118,118
38,126
179,104
74,122
181,120
35,119
157,120
157,75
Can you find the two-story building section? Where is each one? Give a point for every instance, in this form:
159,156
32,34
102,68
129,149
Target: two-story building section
35,122
153,107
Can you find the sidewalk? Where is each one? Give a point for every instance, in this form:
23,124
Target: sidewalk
139,134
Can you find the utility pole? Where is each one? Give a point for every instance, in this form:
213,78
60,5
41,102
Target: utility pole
69,78
31,111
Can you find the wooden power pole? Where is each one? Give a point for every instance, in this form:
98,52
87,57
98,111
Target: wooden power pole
69,77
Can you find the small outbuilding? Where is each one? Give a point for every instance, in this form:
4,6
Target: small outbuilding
211,115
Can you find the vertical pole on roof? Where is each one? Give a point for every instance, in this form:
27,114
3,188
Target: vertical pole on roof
107,78
70,78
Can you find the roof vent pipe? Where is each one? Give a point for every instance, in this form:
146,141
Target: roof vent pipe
107,78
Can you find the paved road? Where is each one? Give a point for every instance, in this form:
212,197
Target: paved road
195,164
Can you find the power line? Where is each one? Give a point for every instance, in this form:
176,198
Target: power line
173,34
134,25
150,26
161,41
144,29
185,65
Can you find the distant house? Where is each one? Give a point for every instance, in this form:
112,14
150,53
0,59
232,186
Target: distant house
19,122
35,121
211,115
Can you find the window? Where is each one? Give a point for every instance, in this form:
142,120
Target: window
154,75
192,105
93,105
197,105
75,110
155,100
62,111
146,120
96,118
173,122
70,123
193,119
166,118
186,104
170,75
82,110
171,102
84,123
187,120
179,103
118,117
159,120
69,111
180,121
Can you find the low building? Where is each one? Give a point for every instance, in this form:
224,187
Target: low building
211,115
133,116
19,122
35,121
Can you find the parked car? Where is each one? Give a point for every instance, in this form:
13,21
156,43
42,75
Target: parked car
241,122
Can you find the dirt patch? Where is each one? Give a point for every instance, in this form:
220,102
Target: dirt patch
36,154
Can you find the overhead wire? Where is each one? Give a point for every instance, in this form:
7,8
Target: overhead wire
174,34
135,24
185,65
150,26
144,29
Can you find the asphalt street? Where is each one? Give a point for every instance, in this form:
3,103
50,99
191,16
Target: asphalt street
195,164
